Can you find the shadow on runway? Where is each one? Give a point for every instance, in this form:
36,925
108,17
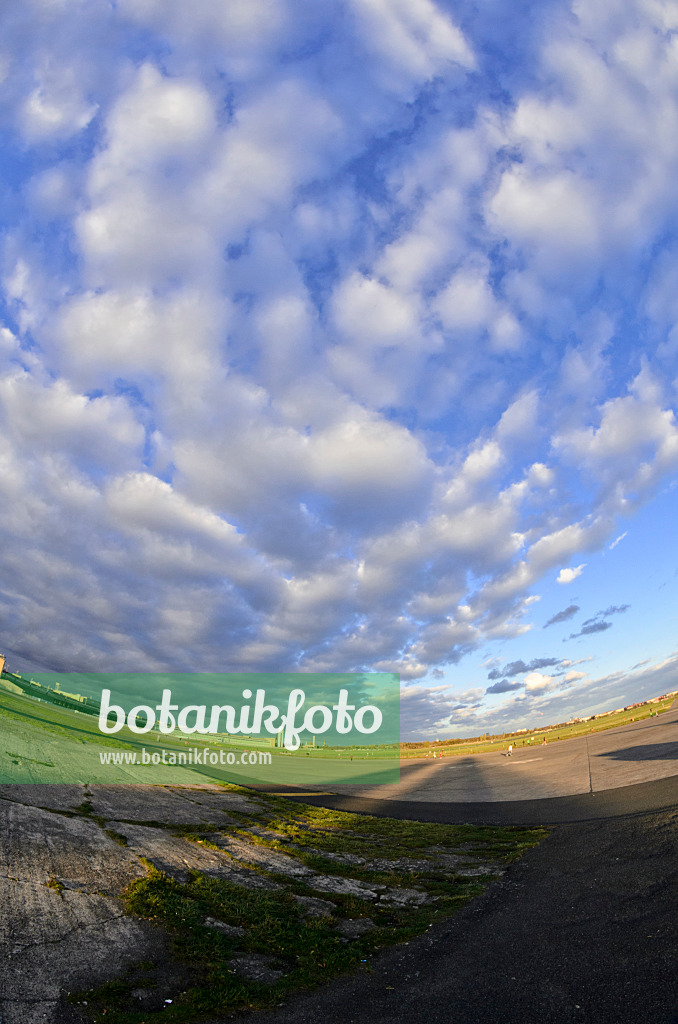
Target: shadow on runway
487,777
644,752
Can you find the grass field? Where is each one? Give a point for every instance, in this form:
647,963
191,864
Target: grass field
551,734
41,742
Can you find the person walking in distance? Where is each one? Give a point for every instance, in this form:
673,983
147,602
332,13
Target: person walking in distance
510,750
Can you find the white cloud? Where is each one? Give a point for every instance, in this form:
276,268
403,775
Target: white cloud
319,351
617,540
130,334
367,454
279,140
553,216
467,306
156,120
467,303
414,36
55,109
239,36
102,429
8,341
634,445
568,575
482,462
369,313
537,682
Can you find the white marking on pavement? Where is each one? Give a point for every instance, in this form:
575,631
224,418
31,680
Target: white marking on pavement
524,760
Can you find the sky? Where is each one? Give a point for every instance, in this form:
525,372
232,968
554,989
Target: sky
343,336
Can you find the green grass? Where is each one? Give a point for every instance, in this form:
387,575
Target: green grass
202,981
116,836
534,737
77,730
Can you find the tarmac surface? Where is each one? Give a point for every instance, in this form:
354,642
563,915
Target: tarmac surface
582,929
626,770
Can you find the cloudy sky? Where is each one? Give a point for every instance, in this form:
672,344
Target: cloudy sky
340,336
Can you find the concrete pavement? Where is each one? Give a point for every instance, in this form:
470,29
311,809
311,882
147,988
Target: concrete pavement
630,754
582,930
630,769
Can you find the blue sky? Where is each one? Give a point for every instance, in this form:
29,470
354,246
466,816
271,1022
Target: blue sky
343,336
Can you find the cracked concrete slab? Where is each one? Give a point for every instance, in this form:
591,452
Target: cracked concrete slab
477,872
216,796
231,931
262,856
61,927
56,797
341,858
38,915
406,897
57,942
311,906
282,863
402,864
73,850
178,857
257,967
37,1012
139,803
345,886
62,923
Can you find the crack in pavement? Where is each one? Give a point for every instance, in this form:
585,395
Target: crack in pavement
71,931
12,999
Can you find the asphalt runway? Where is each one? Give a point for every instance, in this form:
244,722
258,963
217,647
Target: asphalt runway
582,930
628,770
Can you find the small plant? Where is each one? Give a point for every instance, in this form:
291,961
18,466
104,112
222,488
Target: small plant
116,836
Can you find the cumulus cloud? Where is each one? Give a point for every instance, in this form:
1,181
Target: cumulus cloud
416,38
536,682
301,360
634,444
434,710
55,108
568,575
